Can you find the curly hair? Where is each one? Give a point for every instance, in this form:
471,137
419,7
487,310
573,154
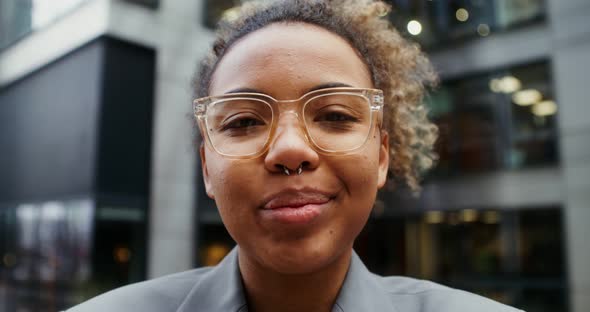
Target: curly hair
397,66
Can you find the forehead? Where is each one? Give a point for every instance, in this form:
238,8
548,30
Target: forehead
284,60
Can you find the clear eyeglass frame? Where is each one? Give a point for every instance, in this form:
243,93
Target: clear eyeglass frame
374,98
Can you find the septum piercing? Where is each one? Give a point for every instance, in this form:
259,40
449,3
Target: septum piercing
287,171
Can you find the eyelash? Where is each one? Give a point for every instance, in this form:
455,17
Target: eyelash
234,125
346,117
231,124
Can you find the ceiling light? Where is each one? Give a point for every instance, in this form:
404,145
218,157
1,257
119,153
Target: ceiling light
483,30
491,217
509,84
231,14
434,217
468,215
495,85
545,108
527,97
462,15
414,27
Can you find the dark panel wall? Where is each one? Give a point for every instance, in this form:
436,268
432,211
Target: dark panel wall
48,123
80,126
126,119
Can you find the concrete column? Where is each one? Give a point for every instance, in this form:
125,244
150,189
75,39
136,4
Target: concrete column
175,30
571,70
172,226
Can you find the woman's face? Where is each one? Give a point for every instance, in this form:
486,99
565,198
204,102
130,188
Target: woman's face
285,61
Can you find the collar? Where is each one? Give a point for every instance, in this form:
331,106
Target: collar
221,289
362,290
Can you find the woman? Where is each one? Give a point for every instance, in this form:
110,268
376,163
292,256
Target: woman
304,108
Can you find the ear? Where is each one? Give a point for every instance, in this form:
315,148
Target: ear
208,187
383,159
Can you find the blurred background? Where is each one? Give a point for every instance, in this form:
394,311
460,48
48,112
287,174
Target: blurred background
100,184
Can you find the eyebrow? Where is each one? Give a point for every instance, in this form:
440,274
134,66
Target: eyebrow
243,90
318,87
328,85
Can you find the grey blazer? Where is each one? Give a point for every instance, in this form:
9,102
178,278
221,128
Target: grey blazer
219,289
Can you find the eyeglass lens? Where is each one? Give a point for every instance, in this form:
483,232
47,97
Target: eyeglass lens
334,122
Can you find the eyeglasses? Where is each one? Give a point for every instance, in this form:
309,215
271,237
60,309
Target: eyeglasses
335,120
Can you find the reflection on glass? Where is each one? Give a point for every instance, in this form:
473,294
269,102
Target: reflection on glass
533,135
495,121
514,257
53,241
46,254
152,4
119,249
58,253
215,243
20,17
214,252
45,11
215,9
432,23
442,22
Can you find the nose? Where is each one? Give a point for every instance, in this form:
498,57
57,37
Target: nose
290,147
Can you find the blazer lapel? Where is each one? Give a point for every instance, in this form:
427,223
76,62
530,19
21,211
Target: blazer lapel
362,291
218,290
221,290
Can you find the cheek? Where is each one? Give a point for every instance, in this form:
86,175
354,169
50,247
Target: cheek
224,173
359,173
362,170
229,181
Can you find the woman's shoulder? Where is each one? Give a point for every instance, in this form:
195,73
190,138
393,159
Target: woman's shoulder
165,293
409,294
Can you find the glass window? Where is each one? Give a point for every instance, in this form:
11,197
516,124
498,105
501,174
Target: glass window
515,257
56,254
119,247
18,18
214,9
15,20
434,22
533,116
512,256
500,120
152,4
214,242
46,253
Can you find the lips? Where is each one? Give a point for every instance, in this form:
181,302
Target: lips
296,206
295,199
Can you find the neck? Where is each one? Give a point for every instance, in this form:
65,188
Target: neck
268,290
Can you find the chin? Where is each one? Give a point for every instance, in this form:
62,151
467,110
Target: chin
301,263
302,258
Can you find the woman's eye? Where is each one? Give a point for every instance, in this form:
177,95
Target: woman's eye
242,124
336,117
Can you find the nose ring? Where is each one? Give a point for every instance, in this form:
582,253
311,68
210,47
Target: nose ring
299,170
286,170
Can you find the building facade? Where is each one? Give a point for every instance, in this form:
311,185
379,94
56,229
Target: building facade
505,213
